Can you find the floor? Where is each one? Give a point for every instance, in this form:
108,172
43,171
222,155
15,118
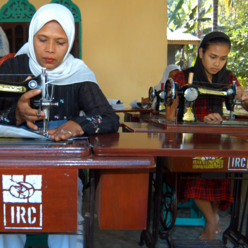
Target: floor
130,238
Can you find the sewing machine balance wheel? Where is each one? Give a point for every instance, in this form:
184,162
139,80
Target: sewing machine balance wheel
169,92
151,94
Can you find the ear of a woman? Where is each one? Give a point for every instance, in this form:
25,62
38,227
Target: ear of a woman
200,52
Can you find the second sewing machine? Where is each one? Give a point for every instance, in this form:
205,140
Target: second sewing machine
186,95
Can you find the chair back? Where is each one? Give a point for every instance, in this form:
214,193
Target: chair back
7,56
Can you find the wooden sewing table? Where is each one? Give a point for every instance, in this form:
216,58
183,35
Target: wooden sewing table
40,180
181,148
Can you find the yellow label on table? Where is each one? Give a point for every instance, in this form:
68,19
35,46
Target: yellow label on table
207,163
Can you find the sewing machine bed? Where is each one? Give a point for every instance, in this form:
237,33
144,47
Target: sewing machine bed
235,128
232,123
18,141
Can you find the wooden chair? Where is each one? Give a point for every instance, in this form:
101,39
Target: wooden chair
7,56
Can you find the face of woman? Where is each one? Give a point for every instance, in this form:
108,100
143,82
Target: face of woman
214,58
172,73
50,45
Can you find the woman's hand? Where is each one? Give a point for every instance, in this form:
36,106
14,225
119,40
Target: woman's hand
66,131
212,118
24,113
244,100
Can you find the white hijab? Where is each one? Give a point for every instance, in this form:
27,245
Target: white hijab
167,71
71,70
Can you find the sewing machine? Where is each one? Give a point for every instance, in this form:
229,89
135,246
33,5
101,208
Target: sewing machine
44,103
188,94
156,97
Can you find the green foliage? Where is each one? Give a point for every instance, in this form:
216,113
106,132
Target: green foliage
235,25
182,15
174,16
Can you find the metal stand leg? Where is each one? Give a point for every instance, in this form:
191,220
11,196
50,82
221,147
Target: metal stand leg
234,231
146,236
89,218
151,239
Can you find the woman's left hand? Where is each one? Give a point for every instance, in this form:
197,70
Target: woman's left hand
66,131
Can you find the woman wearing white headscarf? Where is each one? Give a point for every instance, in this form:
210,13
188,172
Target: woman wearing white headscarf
76,88
51,36
169,72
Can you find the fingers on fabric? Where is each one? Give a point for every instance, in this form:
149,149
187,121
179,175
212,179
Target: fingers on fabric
66,131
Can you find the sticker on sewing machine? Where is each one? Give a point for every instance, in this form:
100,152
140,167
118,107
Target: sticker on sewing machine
207,163
237,164
22,202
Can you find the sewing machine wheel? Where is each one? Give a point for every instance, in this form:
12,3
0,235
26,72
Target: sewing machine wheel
169,92
168,202
151,94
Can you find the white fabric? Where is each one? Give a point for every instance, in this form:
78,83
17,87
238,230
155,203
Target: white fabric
4,43
71,70
12,240
54,241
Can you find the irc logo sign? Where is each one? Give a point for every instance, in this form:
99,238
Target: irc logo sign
22,202
238,164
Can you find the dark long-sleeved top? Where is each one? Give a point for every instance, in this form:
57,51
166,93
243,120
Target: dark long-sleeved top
98,116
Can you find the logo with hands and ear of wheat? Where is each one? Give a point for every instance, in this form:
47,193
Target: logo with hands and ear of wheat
22,201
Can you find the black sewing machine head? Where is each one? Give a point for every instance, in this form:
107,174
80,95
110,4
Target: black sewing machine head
189,93
156,97
43,102
16,89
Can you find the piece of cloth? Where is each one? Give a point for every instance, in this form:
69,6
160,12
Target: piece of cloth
99,115
4,43
206,189
71,70
203,106
54,240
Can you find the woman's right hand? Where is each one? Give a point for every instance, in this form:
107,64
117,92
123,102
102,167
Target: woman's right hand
24,113
213,118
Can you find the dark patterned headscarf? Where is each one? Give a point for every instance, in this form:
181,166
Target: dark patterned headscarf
200,77
219,80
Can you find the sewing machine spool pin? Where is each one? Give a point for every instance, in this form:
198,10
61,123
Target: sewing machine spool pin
45,103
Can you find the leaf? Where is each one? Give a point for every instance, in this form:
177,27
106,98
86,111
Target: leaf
193,13
178,7
203,19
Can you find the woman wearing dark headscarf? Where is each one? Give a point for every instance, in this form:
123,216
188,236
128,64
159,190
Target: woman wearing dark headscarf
210,70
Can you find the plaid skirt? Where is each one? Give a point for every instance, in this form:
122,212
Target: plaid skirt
207,189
